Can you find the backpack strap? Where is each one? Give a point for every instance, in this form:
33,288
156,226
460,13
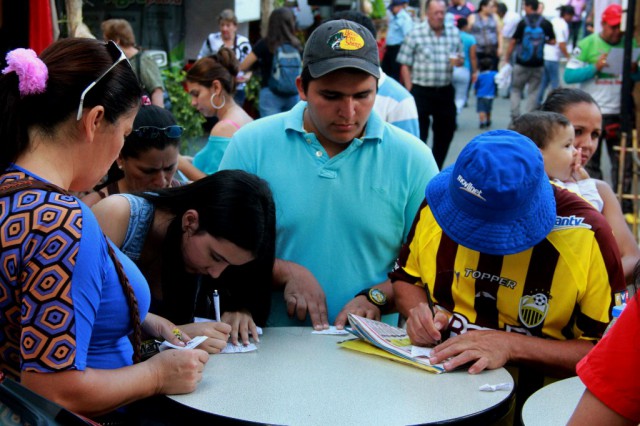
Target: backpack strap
12,187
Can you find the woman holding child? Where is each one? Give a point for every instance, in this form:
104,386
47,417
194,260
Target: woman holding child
583,112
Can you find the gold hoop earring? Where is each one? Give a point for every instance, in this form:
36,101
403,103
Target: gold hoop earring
224,100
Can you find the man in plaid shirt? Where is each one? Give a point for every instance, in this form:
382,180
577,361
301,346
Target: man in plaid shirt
427,58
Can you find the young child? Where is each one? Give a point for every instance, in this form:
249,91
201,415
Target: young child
485,87
553,133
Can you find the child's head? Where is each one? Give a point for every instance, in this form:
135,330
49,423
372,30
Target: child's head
486,64
554,136
462,23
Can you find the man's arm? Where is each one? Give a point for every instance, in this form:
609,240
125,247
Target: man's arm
579,70
360,305
302,292
485,349
405,76
157,97
474,63
490,349
512,45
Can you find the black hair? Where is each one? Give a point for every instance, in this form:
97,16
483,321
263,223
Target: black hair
486,63
539,126
482,5
533,4
462,22
153,116
560,99
502,8
72,64
233,205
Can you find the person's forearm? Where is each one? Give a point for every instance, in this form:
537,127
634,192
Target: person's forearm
94,392
189,170
157,97
563,49
407,296
512,45
554,357
405,73
578,75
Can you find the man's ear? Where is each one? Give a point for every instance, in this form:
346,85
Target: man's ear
301,93
190,222
91,121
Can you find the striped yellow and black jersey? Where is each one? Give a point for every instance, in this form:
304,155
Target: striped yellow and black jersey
561,288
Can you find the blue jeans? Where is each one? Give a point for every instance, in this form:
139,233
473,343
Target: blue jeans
270,103
550,76
461,80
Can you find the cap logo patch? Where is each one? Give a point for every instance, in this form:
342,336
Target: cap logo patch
346,40
468,187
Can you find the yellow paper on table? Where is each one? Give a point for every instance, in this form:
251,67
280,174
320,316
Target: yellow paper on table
362,346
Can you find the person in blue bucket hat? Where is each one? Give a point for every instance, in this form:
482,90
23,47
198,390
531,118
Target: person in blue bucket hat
505,268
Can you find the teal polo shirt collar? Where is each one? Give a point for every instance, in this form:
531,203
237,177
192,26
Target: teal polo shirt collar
373,131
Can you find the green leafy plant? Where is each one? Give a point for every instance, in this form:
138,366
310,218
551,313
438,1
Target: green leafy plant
252,90
181,108
379,10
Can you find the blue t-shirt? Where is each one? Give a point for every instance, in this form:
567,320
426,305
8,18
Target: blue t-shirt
467,41
485,84
344,218
63,305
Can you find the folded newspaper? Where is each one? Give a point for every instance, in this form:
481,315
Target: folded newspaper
378,338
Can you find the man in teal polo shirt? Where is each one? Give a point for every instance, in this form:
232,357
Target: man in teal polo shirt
347,185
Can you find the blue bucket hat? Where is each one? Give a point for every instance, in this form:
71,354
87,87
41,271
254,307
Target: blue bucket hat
496,198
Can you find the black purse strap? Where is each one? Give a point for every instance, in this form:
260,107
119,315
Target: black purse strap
14,186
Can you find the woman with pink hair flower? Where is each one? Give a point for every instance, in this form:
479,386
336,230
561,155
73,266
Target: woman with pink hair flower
70,300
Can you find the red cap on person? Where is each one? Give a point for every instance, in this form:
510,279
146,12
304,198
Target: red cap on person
612,15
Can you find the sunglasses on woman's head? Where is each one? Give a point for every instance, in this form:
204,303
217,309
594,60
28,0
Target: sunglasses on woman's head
114,50
151,132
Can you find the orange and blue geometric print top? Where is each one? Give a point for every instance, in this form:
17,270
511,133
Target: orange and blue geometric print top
61,304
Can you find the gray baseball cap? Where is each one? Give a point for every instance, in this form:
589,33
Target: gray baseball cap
341,44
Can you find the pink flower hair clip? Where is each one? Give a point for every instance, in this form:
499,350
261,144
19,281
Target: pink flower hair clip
32,72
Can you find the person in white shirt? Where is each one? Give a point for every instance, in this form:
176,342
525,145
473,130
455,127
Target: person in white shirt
553,53
228,37
510,20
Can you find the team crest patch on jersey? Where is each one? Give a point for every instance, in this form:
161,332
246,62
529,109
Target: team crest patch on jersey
346,40
533,309
573,221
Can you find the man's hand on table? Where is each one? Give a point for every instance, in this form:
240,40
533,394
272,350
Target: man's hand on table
485,349
359,306
303,294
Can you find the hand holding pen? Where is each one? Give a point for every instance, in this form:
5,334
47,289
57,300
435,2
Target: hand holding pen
426,323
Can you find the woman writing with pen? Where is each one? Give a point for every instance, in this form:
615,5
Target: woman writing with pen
181,236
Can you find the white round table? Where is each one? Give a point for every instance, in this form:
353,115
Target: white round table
299,378
553,404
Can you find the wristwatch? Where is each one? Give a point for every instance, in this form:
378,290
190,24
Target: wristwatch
375,296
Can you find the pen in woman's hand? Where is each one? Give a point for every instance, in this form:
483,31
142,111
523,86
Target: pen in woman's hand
216,304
